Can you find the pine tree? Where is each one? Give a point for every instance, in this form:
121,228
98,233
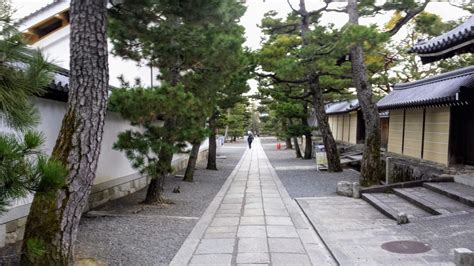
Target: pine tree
237,120
194,43
356,36
23,74
53,221
227,96
145,108
300,54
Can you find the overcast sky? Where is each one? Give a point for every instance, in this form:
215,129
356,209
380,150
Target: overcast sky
256,9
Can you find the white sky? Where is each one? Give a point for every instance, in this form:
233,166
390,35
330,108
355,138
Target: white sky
257,8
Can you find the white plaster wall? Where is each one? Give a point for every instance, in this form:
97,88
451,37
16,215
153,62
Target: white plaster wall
56,48
112,163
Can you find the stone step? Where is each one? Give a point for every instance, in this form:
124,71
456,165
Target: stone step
431,201
465,180
391,205
380,205
456,191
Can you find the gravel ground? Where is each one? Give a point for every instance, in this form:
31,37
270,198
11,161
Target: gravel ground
125,232
304,182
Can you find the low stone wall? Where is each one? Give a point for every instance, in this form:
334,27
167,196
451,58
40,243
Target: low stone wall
12,223
403,169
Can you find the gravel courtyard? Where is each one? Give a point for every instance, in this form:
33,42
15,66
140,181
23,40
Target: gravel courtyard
305,181
125,232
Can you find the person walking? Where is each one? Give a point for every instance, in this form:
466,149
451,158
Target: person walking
249,140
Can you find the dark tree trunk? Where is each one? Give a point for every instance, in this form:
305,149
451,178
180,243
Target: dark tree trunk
332,153
297,147
154,193
288,143
211,158
193,156
308,147
284,125
54,216
295,142
371,164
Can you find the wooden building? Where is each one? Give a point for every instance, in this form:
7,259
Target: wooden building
346,122
433,118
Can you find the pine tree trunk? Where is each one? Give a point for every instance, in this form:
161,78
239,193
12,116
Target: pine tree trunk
295,141
226,132
211,158
284,126
371,167
54,216
297,147
308,147
288,143
332,153
155,189
193,156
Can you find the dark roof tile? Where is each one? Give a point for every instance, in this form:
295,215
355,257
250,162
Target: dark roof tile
342,107
439,89
455,41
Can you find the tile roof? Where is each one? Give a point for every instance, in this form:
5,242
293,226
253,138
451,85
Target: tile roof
342,107
58,89
441,89
455,41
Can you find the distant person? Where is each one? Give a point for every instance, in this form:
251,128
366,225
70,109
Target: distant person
249,140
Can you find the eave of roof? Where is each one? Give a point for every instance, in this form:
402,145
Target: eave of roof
44,8
456,41
343,107
58,89
437,90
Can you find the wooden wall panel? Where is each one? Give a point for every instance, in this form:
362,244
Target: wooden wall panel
395,131
353,128
413,132
340,127
347,128
331,123
436,135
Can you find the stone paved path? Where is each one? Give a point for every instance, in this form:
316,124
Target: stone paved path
355,233
253,220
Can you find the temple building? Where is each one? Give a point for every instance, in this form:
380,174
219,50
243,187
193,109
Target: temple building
433,118
347,122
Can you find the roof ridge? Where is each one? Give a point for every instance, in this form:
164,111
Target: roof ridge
469,70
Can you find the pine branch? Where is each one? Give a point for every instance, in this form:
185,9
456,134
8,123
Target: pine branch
274,77
292,8
409,15
280,28
318,11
